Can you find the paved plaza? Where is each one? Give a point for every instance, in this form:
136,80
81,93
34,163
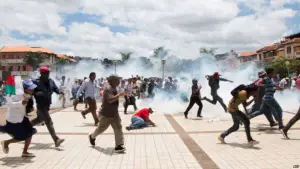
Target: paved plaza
176,143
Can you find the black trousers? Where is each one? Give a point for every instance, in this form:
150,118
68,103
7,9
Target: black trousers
129,100
293,120
216,98
236,118
194,100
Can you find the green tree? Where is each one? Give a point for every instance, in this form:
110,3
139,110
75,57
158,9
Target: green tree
125,56
34,59
62,61
208,51
160,52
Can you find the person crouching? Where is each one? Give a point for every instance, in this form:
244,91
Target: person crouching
141,119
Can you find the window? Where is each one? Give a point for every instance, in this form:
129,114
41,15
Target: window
19,68
3,56
24,68
289,50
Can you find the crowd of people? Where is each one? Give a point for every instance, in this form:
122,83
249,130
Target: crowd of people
112,88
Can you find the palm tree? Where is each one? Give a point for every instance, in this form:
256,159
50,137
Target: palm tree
125,56
160,52
34,59
206,51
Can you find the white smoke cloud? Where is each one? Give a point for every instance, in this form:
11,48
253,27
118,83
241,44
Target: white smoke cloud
288,100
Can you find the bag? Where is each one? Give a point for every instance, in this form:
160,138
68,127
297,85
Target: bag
236,90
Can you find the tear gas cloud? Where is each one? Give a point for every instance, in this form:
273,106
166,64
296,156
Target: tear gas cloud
178,68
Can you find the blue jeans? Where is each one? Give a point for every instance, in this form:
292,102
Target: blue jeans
270,106
137,122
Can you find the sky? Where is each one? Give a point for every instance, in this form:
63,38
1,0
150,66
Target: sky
103,29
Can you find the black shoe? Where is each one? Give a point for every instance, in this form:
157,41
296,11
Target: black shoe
128,128
199,116
120,149
92,141
185,115
273,124
203,98
284,133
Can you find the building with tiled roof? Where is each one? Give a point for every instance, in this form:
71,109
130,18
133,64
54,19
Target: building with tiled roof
12,59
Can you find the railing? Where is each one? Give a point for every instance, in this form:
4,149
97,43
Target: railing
21,73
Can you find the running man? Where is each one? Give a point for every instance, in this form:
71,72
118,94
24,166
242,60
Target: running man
213,82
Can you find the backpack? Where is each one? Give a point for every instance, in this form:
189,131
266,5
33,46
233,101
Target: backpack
236,90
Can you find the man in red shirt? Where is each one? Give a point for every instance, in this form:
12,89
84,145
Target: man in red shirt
141,119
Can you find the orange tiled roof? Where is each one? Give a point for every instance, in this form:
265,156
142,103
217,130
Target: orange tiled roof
25,49
268,48
246,54
65,57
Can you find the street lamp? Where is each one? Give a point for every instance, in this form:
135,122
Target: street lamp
287,63
163,62
115,64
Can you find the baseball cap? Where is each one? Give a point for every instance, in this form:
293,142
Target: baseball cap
217,74
44,69
28,85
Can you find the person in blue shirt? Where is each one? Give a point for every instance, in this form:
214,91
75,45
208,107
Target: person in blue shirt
269,103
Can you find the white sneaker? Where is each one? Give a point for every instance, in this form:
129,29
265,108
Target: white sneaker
253,142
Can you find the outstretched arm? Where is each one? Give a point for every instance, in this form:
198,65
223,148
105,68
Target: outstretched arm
225,80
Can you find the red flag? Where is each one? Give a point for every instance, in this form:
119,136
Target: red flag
10,80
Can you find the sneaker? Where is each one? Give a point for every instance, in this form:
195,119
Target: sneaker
199,116
83,115
203,98
4,149
253,142
120,149
284,133
92,140
58,142
221,139
128,128
28,155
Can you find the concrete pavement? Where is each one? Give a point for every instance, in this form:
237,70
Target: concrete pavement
176,143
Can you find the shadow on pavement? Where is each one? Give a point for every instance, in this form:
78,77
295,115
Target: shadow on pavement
42,146
244,146
15,162
107,151
86,125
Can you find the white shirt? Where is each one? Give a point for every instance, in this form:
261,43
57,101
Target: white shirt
128,89
16,110
282,82
89,89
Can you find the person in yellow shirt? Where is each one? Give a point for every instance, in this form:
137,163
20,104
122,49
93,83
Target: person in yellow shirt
237,115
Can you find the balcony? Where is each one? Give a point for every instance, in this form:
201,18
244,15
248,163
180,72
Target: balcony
12,61
21,73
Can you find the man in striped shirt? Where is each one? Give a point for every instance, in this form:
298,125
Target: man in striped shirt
269,104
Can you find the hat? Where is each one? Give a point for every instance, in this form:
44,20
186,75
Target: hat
113,77
261,73
28,84
217,74
44,69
